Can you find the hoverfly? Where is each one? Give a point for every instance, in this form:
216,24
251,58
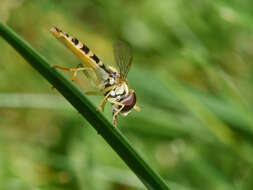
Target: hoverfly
112,84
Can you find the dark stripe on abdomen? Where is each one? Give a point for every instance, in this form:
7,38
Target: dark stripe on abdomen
85,49
95,58
75,41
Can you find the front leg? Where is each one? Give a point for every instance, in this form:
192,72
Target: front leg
107,90
99,94
117,112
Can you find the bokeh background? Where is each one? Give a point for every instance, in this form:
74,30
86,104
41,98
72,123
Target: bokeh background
193,76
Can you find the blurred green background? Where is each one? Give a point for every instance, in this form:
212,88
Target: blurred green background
192,74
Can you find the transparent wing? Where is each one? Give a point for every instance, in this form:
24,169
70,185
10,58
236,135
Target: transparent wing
123,57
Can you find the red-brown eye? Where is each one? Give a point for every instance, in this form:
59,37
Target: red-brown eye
129,102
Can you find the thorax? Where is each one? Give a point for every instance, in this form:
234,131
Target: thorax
120,91
112,84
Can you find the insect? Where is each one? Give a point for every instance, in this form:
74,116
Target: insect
112,84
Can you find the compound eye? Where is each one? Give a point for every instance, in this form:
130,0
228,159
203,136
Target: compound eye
129,102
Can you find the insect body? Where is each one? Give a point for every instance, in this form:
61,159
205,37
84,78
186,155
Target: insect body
112,84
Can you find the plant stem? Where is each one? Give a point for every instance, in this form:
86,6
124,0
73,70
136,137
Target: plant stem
76,97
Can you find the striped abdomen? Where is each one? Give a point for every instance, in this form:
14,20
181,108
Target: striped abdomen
80,49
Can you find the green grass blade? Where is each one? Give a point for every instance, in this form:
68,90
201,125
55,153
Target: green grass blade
75,96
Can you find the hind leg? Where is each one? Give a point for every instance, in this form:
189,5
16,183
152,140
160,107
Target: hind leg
75,70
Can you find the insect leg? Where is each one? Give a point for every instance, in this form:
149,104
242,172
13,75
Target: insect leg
85,71
94,93
117,112
101,106
75,70
109,88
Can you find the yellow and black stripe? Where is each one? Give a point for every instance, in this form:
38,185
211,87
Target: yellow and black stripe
79,49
